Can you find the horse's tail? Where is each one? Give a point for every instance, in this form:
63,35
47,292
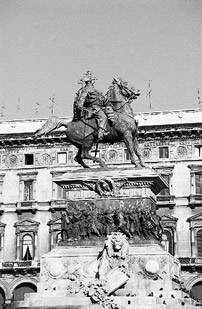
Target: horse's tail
51,124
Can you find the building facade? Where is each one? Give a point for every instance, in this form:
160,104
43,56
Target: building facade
31,203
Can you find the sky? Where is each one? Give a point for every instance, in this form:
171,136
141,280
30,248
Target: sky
47,45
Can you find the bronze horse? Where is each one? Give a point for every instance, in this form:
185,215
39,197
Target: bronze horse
83,133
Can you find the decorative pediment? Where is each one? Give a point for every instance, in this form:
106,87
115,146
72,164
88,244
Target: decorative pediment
195,222
169,218
54,221
195,168
26,223
196,217
55,224
169,221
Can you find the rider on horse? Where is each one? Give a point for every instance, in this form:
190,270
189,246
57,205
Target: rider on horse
89,102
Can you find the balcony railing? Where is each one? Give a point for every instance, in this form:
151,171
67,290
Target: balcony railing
195,200
191,261
166,201
20,264
58,205
26,206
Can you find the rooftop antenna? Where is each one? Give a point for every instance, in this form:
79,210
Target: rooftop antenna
149,94
52,99
36,110
199,97
18,104
2,111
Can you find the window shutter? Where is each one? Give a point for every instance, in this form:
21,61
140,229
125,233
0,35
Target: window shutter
199,243
198,182
28,190
165,191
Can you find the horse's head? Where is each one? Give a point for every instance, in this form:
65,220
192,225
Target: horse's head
114,94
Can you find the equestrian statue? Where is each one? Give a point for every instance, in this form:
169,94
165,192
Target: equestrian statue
99,118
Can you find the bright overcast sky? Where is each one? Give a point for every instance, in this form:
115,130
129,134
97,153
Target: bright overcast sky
47,45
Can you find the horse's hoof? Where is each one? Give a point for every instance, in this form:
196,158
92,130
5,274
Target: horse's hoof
137,165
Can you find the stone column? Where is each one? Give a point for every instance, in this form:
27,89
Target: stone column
192,180
7,304
2,247
175,242
35,246
1,185
51,240
193,244
18,246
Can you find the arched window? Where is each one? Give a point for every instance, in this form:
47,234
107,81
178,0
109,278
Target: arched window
58,238
2,299
167,241
196,290
27,248
199,243
21,289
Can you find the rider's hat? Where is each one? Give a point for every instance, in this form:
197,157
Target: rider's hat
87,77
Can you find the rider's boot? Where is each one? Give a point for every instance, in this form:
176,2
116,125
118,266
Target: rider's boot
101,133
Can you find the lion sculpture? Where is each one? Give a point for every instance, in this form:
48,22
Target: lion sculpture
114,254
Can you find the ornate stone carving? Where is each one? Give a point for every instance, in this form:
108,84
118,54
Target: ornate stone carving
182,152
152,269
45,159
147,153
111,155
11,160
106,186
103,187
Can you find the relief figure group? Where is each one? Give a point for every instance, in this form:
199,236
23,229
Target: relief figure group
88,221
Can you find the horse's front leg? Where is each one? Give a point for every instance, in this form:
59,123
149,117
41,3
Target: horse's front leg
79,160
86,155
128,139
137,151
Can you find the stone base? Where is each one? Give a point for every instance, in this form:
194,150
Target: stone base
136,302
154,280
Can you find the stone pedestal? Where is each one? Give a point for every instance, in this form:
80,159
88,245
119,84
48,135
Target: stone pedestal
111,183
146,276
154,280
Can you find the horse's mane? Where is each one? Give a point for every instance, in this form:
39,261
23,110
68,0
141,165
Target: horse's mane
114,94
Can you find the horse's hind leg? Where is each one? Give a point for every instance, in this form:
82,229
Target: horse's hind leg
79,159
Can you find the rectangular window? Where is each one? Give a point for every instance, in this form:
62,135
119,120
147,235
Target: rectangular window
28,190
93,153
61,193
62,157
29,159
166,191
126,155
198,151
70,157
199,243
198,183
163,152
